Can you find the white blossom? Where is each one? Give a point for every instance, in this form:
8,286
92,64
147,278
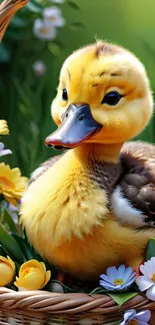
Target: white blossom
146,282
43,30
53,16
39,68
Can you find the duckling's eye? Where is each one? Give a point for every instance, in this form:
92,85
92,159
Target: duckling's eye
112,98
64,94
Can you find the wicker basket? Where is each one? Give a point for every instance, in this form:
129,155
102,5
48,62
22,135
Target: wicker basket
42,307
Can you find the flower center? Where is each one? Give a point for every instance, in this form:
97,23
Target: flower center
44,30
52,18
153,277
6,183
132,322
118,282
27,271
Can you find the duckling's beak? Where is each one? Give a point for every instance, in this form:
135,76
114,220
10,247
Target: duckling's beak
78,125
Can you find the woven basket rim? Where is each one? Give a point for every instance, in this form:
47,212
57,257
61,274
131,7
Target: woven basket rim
68,303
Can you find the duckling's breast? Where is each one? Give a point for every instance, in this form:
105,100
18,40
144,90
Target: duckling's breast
65,209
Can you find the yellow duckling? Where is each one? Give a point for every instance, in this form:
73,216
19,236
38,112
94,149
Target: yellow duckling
93,206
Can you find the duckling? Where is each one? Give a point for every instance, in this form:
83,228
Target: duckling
94,205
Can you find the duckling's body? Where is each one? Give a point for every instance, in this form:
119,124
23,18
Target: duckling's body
76,227
77,212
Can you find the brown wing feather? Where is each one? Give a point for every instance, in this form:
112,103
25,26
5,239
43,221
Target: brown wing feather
138,180
43,167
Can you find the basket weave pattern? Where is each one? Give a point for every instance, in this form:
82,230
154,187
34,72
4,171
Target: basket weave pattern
40,306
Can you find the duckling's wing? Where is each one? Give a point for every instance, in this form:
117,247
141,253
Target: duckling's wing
43,167
133,200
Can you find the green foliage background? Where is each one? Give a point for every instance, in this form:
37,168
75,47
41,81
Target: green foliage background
26,98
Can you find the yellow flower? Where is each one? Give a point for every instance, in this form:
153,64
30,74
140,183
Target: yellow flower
12,184
4,130
7,270
32,276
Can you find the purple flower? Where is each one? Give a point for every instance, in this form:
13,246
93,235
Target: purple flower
133,318
117,279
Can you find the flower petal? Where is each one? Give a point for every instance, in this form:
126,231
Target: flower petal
4,130
121,271
31,263
8,261
12,185
150,293
106,278
7,271
32,280
112,273
1,145
128,273
132,277
143,315
127,284
129,314
152,261
16,282
142,323
5,152
106,285
48,276
144,283
147,269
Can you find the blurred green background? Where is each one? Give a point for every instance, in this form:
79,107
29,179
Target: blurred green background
26,96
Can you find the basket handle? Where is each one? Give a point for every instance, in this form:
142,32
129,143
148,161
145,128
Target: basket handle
7,10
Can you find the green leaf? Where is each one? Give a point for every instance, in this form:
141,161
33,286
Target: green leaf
3,251
98,290
15,34
73,5
10,244
76,25
31,249
121,298
18,22
4,53
54,49
24,246
150,249
8,219
33,7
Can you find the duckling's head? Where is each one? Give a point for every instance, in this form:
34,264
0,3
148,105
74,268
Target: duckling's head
103,97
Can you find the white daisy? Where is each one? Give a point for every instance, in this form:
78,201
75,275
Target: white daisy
117,279
53,16
147,280
43,30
